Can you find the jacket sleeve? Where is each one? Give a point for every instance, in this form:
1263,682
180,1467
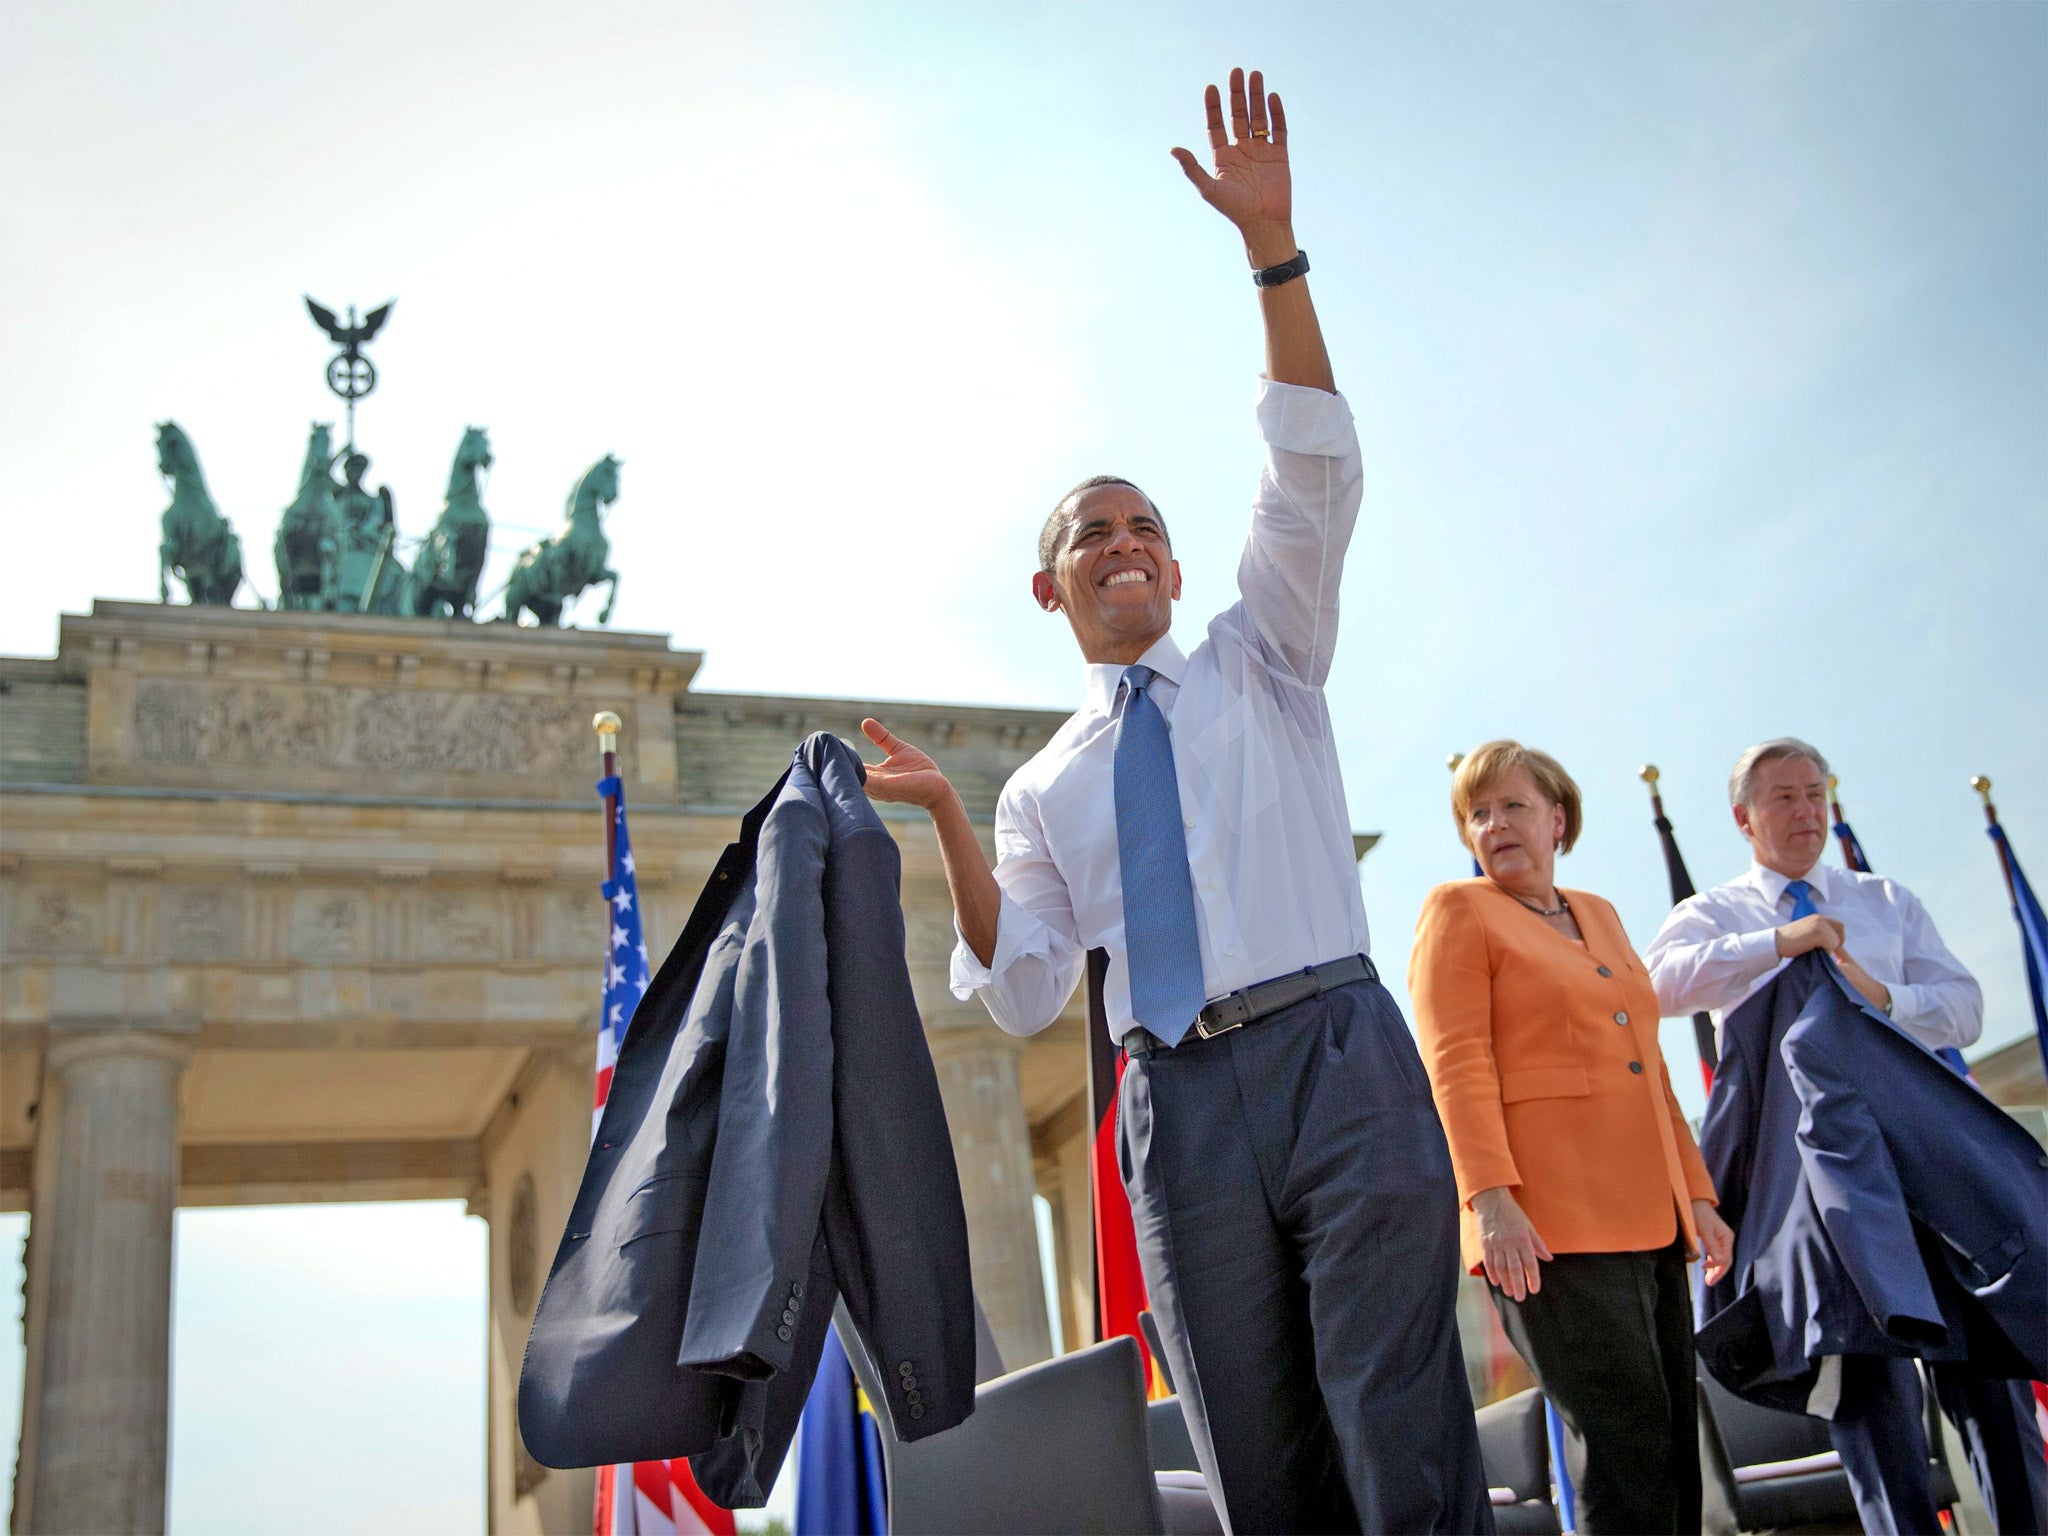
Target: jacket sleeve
1450,982
1698,1186
774,1147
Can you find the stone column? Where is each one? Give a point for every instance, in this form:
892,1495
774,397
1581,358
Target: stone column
102,1390
534,1153
977,1065
1076,1215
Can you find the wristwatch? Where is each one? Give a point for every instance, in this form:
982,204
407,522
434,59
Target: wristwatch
1286,272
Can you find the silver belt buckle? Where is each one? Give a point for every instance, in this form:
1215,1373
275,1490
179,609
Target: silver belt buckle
1242,998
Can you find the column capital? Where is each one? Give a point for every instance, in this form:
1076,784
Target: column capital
75,1041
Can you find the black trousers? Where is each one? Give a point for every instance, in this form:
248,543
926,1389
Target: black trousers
1880,1431
1609,1339
1297,1225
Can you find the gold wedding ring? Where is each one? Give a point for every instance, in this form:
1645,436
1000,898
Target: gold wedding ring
1259,133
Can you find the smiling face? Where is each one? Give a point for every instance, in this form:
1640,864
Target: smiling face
1786,817
1513,831
1114,576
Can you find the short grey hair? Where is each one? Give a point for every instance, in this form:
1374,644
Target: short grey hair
1743,779
1054,533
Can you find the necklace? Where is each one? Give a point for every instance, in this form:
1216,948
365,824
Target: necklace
1562,907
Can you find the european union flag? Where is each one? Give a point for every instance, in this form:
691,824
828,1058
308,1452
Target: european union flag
2026,911
840,1489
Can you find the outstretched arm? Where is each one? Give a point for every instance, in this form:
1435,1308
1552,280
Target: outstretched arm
1252,187
909,777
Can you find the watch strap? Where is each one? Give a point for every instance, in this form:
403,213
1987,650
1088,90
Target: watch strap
1285,272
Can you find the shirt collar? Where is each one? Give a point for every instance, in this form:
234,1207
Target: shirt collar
1773,884
1106,677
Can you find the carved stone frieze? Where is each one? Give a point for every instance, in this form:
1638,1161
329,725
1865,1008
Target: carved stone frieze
330,925
56,920
459,925
383,731
199,923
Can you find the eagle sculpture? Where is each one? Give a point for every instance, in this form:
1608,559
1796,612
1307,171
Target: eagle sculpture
350,337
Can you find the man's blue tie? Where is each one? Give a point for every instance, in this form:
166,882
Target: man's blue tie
1802,900
1160,943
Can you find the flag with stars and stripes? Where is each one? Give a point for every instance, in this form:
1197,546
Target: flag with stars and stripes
626,971
648,1498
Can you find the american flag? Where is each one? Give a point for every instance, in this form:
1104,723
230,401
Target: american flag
648,1498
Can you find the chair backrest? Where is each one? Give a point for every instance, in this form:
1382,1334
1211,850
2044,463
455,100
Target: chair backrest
1514,1445
1056,1447
1754,1435
1173,1448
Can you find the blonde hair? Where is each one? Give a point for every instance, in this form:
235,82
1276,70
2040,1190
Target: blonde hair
1486,766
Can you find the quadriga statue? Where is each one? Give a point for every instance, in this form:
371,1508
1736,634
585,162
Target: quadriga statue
449,562
199,545
551,573
305,534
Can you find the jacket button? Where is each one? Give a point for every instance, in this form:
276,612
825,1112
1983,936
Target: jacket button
917,1410
782,1333
1621,1018
1605,972
796,1288
789,1314
1636,1067
910,1385
915,1398
905,1369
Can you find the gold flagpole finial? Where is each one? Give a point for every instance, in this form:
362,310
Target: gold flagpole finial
1833,783
1983,787
606,724
1453,760
1649,775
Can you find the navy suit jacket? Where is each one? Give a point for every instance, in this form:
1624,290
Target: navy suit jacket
1882,1205
773,1138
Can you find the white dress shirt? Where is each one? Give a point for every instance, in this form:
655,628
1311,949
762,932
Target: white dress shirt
1717,948
1262,801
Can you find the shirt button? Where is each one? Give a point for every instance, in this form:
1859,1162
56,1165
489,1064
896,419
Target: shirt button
1190,822
1636,1067
1605,972
1621,1018
1229,951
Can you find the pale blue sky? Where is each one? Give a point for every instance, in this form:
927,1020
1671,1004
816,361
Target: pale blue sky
1700,354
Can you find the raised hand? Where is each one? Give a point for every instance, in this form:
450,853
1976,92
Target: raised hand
1251,186
906,776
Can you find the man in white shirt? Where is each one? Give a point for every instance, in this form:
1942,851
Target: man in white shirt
1296,1214
1718,948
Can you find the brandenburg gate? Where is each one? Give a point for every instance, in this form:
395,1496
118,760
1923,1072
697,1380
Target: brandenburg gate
302,906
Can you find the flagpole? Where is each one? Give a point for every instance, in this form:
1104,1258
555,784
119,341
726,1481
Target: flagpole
1852,850
1681,888
1982,785
606,724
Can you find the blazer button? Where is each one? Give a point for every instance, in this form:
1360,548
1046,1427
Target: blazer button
910,1386
1621,1018
789,1314
782,1333
796,1288
1605,972
917,1410
904,1369
1636,1067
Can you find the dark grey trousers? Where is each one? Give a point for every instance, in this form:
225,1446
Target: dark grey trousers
1297,1225
1609,1338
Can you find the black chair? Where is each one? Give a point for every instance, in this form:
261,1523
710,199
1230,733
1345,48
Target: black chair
1514,1447
1062,1446
1763,1469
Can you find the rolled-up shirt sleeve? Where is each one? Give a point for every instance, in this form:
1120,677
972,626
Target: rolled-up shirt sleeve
1694,965
1939,1003
1302,518
1038,957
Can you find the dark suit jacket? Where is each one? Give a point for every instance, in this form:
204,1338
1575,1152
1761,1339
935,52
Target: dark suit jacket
1882,1205
773,1137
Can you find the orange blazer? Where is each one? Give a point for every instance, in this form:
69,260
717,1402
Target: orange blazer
1543,1057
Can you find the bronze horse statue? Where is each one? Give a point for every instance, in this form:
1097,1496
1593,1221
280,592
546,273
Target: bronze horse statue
305,533
451,559
199,545
551,573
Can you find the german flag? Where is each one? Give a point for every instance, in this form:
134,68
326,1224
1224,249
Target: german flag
1119,1284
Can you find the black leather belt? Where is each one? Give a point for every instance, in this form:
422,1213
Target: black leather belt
1248,1005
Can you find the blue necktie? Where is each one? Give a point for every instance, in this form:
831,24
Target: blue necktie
1160,944
1802,900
